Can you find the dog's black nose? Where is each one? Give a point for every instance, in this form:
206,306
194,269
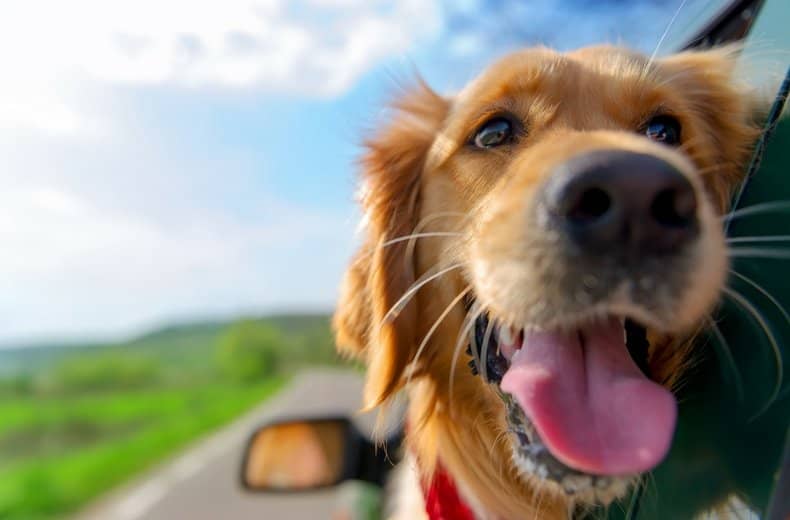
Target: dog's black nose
611,200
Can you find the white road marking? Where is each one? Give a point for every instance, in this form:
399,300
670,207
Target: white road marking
188,466
141,500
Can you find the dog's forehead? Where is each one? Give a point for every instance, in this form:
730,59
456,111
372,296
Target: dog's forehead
533,69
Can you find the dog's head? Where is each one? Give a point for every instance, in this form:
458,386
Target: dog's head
560,216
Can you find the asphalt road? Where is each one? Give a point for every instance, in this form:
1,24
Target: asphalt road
202,483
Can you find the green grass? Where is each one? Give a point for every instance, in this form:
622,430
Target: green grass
79,419
58,453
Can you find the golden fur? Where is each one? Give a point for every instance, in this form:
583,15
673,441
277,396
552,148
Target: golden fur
418,176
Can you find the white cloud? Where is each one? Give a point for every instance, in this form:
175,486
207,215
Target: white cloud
50,48
103,238
71,267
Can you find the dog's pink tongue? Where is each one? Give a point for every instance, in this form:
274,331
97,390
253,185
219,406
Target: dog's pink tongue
593,408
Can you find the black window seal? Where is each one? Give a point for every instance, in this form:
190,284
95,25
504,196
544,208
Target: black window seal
731,24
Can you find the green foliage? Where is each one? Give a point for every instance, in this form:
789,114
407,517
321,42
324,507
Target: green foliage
101,372
45,474
76,420
17,384
249,351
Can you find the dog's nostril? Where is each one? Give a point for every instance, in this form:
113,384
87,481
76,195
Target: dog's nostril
674,207
592,204
614,200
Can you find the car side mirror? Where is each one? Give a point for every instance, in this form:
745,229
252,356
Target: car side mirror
313,453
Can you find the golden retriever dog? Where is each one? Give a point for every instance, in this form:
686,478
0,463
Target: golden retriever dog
555,226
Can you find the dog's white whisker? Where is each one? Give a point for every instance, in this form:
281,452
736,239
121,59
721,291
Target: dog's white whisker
758,252
420,235
752,310
439,215
756,209
501,435
475,348
726,355
433,328
666,33
763,238
404,300
412,238
484,349
424,222
463,334
764,292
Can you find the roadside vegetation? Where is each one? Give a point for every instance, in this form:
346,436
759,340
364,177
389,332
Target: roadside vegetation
77,420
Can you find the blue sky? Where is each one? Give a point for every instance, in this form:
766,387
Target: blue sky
169,160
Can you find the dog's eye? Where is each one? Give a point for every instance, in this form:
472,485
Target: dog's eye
664,129
494,132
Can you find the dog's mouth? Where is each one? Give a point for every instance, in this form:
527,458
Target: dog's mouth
580,404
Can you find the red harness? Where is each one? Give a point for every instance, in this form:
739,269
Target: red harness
442,501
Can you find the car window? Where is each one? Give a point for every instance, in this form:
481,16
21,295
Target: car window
767,48
690,18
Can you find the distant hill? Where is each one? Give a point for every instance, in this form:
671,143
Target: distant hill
180,344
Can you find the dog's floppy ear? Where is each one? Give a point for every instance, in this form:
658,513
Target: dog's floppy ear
380,273
728,107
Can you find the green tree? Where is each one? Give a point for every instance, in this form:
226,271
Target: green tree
250,350
103,371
